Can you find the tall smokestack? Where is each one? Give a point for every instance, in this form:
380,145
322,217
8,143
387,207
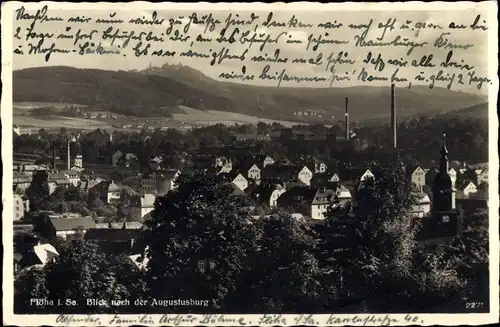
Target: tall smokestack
69,157
393,118
346,118
53,155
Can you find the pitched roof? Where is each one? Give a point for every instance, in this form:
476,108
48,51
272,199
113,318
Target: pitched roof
323,196
112,234
45,252
64,224
128,225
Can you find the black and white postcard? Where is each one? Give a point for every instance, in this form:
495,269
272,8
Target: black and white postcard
242,164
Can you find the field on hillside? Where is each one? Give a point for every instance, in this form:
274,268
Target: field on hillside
33,105
211,117
56,122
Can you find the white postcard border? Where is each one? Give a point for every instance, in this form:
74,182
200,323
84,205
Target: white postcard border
423,319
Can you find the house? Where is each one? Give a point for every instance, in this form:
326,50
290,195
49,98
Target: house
72,176
305,175
482,176
223,162
269,195
107,191
334,178
67,228
21,130
155,162
78,161
114,241
57,180
159,183
423,206
285,172
34,255
223,170
30,169
99,135
20,206
126,225
21,181
250,138
465,188
323,197
417,177
236,178
296,199
86,186
316,166
113,191
321,200
263,160
250,170
127,160
115,157
142,206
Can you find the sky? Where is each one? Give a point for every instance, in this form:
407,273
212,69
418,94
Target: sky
475,56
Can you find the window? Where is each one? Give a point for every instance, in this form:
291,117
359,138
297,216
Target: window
211,265
446,219
201,265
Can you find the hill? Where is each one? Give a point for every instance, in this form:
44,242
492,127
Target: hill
476,111
160,90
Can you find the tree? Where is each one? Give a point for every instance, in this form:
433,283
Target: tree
283,273
28,285
38,191
380,240
202,230
83,272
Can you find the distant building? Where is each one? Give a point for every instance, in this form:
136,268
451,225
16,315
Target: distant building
142,206
115,157
67,228
323,198
21,130
263,160
160,182
57,180
444,223
250,138
114,241
316,166
482,176
72,176
305,175
21,181
128,160
99,135
269,195
466,188
19,207
417,177
155,162
236,178
107,191
423,206
250,170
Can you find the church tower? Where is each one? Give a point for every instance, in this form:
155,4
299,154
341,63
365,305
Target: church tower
442,189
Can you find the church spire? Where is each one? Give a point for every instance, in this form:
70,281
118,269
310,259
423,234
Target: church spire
443,161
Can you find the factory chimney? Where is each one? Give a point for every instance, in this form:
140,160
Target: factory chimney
69,157
393,118
54,156
346,118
